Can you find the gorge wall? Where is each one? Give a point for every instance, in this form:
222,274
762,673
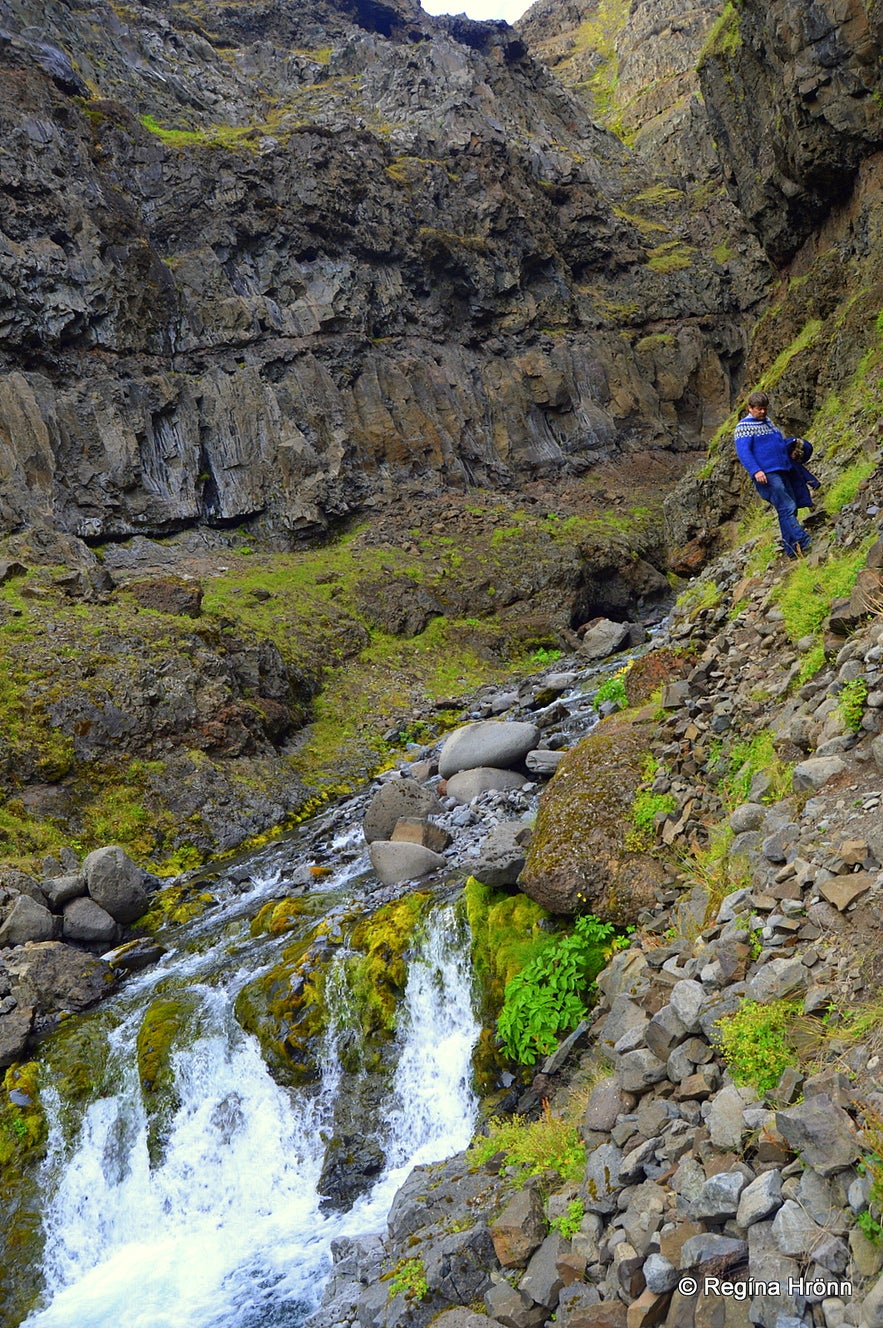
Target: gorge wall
270,261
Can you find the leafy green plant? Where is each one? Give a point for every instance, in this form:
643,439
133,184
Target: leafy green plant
569,1223
645,808
870,1227
544,656
754,1042
612,689
551,1143
550,995
851,703
409,1278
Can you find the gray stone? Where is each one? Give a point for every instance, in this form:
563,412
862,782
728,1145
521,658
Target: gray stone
457,1266
605,1105
776,979
520,1229
794,1231
397,862
495,743
52,976
501,856
639,1070
116,883
602,1179
15,1028
760,1199
603,639
725,1121
512,1308
624,1015
664,1031
821,1132
659,1274
399,798
542,1280
27,921
702,1249
749,816
686,999
60,890
816,772
543,762
86,923
872,1307
719,1198
468,784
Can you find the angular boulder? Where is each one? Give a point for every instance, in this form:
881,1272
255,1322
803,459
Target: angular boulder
51,976
27,921
87,923
491,742
116,883
396,800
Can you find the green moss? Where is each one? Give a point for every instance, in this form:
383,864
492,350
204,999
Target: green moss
377,976
804,339
674,256
22,1128
507,931
805,595
846,486
725,37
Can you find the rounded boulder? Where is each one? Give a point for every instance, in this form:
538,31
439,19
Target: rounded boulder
497,743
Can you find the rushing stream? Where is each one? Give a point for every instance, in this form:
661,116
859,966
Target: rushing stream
201,1208
227,1228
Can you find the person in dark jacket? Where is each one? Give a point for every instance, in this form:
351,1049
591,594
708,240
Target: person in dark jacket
775,464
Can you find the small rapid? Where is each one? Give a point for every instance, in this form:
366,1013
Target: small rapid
226,1229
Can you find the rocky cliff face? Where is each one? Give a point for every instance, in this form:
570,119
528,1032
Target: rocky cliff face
270,261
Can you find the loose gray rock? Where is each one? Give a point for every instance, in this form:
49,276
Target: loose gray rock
27,921
116,884
520,1229
394,862
686,999
468,784
719,1197
726,1125
399,798
512,1308
542,1281
602,1179
821,1132
760,1199
60,890
639,1070
603,639
15,1029
794,1231
501,857
495,743
86,923
659,1274
816,772
605,1106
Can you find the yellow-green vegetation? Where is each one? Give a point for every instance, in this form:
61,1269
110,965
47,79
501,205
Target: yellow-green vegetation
278,917
813,661
673,256
851,703
703,593
551,1143
725,37
378,975
757,1042
507,930
22,1126
711,868
408,1278
645,809
176,904
806,593
747,757
168,1023
846,486
569,1222
804,339
599,33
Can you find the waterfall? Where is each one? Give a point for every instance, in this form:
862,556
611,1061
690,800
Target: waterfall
225,1229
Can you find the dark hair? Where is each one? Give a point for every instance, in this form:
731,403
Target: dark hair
759,399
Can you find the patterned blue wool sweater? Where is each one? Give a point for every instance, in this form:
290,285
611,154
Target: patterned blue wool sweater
761,446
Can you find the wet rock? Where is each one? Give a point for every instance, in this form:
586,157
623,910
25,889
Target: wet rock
15,1029
495,743
116,884
399,798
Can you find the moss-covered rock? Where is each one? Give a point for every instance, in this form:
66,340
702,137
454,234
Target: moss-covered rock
578,861
167,1024
22,1146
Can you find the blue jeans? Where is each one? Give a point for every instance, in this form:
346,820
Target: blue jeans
777,492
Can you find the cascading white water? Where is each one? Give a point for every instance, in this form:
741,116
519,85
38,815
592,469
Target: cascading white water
226,1230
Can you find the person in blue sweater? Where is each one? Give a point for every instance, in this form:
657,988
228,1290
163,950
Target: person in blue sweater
774,463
